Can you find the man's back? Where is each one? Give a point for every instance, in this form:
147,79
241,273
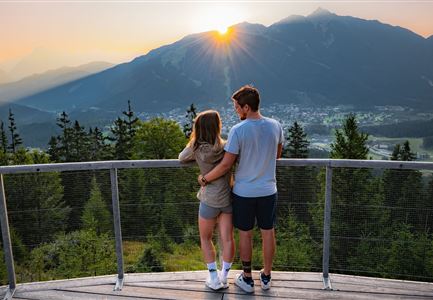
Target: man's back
255,141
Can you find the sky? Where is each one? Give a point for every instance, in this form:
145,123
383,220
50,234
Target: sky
57,33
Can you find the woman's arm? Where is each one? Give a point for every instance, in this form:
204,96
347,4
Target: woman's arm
186,155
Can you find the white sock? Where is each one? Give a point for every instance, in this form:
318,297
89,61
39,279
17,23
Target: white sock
212,267
225,269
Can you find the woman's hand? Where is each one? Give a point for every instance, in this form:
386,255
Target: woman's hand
202,180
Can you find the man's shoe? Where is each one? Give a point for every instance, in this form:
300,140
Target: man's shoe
214,284
265,280
223,281
245,283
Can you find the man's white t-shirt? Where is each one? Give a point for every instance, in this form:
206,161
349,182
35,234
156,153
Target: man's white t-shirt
255,141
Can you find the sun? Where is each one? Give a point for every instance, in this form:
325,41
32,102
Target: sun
223,29
218,17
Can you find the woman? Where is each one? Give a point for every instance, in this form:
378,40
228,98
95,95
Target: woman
207,148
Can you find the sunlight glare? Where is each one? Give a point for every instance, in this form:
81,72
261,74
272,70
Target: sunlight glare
218,18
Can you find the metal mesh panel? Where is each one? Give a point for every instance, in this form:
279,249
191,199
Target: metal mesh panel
299,240
61,224
381,223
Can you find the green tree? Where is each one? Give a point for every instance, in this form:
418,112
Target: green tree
407,254
297,142
159,139
349,143
3,139
53,149
37,201
79,144
191,114
150,260
99,150
16,141
123,133
356,201
96,216
65,139
403,192
76,254
296,248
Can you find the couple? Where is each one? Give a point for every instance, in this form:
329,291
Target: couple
255,143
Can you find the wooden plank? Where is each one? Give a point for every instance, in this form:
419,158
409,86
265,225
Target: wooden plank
152,293
367,282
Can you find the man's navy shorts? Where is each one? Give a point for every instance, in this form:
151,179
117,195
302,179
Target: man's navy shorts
246,210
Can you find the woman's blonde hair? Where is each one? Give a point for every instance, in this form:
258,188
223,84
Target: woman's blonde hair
206,129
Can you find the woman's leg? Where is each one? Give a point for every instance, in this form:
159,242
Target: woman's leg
206,227
226,231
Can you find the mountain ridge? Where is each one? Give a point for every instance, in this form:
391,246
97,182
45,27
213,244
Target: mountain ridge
324,60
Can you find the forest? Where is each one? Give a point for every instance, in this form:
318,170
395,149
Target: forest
62,225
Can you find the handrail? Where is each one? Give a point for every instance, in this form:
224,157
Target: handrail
174,163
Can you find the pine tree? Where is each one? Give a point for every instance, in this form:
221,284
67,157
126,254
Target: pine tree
53,149
350,142
403,153
38,198
355,197
65,139
3,139
130,121
96,216
80,144
297,146
406,153
122,149
123,133
99,150
191,114
403,190
15,137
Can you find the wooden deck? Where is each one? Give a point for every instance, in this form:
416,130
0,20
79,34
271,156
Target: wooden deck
190,285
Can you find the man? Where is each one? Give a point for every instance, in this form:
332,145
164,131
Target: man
256,142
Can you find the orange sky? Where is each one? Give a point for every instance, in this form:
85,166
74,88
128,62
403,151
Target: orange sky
118,31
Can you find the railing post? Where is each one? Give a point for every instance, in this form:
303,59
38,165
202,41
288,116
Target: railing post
327,229
117,229
7,245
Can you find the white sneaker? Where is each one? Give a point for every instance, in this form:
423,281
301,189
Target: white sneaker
265,281
245,286
223,281
214,284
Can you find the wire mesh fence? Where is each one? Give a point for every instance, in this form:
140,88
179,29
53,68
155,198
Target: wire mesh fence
62,222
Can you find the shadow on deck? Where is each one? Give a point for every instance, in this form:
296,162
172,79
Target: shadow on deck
190,285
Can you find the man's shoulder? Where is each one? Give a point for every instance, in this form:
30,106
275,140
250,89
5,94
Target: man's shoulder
238,126
272,121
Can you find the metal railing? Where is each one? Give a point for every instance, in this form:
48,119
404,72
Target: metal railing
113,166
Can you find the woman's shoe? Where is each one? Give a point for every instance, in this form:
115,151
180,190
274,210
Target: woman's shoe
214,284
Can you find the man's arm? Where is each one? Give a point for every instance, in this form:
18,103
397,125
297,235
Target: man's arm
279,150
222,168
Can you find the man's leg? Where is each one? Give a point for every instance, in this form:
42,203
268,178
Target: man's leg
246,250
268,246
266,219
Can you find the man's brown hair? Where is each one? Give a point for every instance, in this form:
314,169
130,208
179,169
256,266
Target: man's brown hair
247,95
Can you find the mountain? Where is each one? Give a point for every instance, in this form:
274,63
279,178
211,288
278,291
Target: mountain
40,82
320,59
24,115
4,77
